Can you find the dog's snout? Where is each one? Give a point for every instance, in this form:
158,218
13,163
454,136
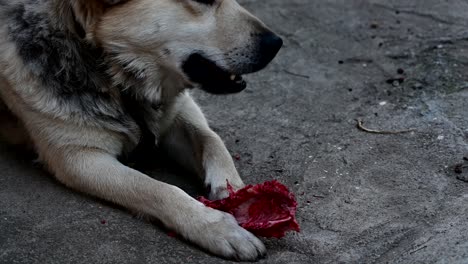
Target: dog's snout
270,44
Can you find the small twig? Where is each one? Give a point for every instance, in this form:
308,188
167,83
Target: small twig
297,74
318,196
418,249
361,127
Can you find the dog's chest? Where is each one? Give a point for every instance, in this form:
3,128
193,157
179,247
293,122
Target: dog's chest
147,114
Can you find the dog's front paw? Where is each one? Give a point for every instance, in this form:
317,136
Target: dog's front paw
220,234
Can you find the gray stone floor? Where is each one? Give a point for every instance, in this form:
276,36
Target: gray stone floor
363,197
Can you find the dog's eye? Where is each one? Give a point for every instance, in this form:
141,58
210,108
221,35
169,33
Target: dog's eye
206,2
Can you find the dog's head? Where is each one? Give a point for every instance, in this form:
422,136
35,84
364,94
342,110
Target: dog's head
209,43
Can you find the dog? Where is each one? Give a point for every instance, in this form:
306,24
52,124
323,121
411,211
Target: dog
86,81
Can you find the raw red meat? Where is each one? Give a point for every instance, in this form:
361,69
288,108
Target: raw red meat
172,234
266,210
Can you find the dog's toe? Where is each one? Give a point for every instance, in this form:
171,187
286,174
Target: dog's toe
248,247
218,193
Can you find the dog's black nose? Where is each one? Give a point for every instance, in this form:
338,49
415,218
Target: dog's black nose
268,46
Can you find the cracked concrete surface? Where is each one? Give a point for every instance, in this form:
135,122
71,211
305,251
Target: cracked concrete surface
363,198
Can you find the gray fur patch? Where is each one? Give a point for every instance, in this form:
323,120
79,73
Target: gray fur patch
73,72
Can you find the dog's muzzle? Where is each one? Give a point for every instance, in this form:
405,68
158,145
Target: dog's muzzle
217,80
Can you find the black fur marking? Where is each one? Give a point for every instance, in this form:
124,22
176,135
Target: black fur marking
65,63
73,71
79,29
206,2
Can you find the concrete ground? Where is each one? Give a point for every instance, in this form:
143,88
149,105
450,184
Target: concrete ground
363,197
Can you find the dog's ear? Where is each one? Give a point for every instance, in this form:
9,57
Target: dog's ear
86,13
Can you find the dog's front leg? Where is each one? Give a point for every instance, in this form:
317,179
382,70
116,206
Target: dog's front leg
190,140
95,172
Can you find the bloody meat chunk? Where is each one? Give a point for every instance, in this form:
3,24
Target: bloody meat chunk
266,210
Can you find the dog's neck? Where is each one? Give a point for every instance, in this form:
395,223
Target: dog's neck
145,81
127,72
